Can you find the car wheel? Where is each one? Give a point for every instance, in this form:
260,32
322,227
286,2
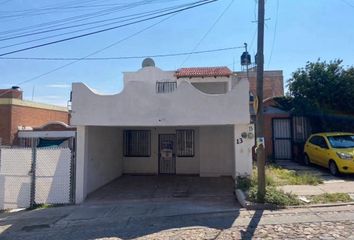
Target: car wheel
333,169
307,161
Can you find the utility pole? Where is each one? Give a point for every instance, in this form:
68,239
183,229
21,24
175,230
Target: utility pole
260,151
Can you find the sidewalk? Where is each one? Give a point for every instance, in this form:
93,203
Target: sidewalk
330,187
331,184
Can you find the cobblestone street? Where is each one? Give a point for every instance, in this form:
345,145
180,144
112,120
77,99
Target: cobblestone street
147,221
322,230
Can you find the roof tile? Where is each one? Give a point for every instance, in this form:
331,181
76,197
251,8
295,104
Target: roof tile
203,72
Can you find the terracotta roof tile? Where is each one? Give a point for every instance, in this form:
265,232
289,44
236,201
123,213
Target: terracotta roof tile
203,72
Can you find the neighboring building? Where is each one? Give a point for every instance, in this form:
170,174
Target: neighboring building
273,82
16,113
189,121
51,134
284,133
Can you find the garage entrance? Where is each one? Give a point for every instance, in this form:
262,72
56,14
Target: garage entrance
153,188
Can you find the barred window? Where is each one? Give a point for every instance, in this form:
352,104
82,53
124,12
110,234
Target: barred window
136,143
185,143
165,87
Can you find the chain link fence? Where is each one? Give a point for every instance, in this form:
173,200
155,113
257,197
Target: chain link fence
31,176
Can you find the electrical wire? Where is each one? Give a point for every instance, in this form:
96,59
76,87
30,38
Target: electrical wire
136,15
106,29
275,33
348,3
81,17
121,58
207,32
91,54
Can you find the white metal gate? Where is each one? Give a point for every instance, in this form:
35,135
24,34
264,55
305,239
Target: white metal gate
282,140
30,176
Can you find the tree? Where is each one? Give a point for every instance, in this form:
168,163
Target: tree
325,92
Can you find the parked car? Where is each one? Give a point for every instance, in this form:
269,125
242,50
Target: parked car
334,151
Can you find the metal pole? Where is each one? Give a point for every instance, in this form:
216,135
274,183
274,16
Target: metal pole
259,117
33,173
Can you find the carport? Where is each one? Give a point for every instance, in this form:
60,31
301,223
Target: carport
207,191
142,131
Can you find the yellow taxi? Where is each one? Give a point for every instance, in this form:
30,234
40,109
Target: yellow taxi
334,151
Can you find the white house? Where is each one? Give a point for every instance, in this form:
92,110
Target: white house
189,121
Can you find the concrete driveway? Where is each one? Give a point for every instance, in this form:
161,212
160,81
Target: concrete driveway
129,207
168,188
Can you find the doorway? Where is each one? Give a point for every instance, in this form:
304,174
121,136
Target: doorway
167,153
282,140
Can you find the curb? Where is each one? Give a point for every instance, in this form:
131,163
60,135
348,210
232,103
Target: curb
241,198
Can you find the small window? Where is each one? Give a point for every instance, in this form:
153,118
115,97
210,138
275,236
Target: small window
314,140
165,87
319,141
185,143
322,143
136,143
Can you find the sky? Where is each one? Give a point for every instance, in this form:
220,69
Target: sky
296,31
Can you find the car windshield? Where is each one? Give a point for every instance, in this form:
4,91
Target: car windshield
344,141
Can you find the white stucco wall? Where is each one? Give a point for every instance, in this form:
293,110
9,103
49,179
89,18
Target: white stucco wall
104,156
81,164
243,149
139,104
212,87
149,165
216,151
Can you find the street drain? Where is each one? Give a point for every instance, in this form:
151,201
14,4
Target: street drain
35,227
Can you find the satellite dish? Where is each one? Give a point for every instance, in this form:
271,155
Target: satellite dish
148,62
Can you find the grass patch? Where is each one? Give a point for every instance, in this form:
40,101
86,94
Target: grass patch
331,198
277,176
274,196
281,176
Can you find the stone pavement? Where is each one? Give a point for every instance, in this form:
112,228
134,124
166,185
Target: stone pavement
158,220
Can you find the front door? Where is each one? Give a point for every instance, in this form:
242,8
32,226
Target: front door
282,139
167,154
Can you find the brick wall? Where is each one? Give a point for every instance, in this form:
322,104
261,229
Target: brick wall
272,84
13,116
5,123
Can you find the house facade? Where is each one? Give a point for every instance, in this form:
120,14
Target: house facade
190,121
17,113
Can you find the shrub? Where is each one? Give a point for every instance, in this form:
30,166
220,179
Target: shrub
274,196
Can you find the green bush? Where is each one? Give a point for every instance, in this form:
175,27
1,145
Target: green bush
274,196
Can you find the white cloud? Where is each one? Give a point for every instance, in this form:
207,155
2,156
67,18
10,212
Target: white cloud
59,85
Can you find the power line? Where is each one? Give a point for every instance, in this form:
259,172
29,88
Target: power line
348,3
121,58
81,17
106,29
36,12
135,16
91,54
275,33
209,30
